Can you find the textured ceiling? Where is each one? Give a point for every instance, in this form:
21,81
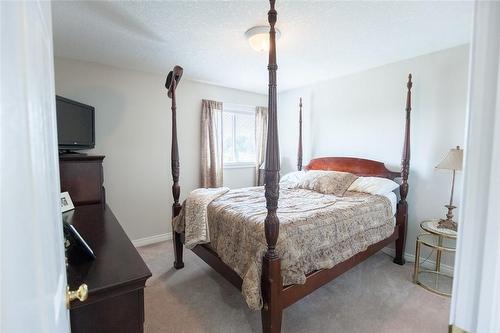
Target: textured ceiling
320,40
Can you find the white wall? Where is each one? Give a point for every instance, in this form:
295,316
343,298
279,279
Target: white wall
133,130
363,114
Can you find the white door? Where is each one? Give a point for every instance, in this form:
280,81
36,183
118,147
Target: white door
475,305
33,274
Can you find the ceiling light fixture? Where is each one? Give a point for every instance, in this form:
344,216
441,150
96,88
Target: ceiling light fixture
258,38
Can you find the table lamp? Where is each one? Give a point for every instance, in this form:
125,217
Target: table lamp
453,161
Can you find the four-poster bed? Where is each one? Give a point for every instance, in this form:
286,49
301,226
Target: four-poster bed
275,294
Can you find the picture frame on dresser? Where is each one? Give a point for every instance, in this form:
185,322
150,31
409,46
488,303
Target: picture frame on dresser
66,202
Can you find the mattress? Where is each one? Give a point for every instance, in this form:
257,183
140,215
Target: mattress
317,231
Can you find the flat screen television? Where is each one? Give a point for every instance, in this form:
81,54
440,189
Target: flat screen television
75,125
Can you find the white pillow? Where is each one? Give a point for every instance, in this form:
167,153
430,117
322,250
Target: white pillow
373,185
292,178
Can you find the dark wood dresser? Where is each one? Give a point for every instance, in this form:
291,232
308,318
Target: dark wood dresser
82,176
117,277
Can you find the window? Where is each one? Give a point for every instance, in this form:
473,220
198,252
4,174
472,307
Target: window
238,130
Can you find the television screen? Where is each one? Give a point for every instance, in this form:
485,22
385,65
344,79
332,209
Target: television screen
75,124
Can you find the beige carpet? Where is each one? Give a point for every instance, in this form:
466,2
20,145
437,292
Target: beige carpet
375,296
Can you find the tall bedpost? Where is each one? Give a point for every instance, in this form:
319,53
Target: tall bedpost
271,265
171,84
299,152
402,209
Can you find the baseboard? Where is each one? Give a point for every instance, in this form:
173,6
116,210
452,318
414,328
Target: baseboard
429,264
152,239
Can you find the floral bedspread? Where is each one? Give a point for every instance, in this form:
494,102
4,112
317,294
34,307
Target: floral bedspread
317,231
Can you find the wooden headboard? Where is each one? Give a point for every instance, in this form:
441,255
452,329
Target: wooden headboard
357,166
361,166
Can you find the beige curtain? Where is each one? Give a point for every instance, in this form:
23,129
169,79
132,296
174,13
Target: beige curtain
260,142
211,144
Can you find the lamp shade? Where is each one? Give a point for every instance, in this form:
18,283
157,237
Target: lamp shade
453,160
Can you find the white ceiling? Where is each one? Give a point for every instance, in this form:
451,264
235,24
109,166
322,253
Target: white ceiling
320,40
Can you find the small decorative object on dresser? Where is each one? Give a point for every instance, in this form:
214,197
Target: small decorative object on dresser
453,161
442,240
66,203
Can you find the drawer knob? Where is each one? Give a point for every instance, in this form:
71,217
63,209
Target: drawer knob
80,294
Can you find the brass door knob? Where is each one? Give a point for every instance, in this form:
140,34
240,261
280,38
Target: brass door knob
80,294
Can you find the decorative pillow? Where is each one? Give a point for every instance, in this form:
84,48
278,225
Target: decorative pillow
373,185
292,177
327,182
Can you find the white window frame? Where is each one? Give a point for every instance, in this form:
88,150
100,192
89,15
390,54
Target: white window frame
238,109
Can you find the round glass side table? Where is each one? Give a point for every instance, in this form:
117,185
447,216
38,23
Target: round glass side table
443,241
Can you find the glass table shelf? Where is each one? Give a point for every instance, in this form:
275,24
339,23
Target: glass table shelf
443,241
436,242
436,282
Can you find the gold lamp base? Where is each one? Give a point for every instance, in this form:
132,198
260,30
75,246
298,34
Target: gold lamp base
448,223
